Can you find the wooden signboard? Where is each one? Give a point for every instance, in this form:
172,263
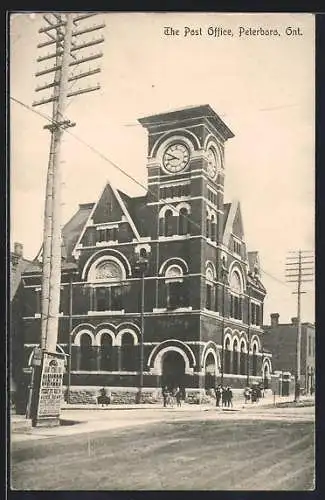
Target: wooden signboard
50,390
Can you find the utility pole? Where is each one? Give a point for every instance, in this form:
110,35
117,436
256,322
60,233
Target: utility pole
141,267
224,274
248,335
297,272
63,32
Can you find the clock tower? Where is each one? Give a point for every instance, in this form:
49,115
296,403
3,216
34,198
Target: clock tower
186,171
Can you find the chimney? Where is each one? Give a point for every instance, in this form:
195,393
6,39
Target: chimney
294,321
19,249
275,319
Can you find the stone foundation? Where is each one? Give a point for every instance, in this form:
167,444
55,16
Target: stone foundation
128,395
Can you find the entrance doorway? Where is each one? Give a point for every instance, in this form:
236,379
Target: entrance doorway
173,370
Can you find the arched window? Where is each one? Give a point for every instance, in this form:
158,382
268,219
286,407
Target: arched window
168,223
209,276
208,225
235,357
242,358
254,360
106,352
86,352
213,228
128,353
236,307
266,376
227,368
109,296
183,221
235,282
176,291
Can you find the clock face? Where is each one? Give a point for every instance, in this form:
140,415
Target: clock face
176,157
212,163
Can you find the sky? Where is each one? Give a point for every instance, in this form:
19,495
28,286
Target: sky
261,86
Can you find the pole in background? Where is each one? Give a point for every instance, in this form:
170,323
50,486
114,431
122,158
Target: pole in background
248,336
224,280
297,272
70,330
141,268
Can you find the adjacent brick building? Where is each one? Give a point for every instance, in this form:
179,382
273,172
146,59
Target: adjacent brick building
202,287
281,339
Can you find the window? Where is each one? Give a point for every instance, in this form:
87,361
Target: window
106,352
108,234
213,228
236,306
242,359
176,291
212,197
236,309
183,221
235,357
177,191
128,355
227,356
108,298
211,225
237,247
209,276
208,226
86,353
255,314
208,304
168,226
254,361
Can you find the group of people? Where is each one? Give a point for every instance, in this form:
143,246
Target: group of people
252,394
172,396
224,396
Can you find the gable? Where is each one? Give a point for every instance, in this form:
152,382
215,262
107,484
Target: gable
109,220
237,225
108,208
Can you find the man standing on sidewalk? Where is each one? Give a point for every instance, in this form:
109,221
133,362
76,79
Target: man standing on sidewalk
218,393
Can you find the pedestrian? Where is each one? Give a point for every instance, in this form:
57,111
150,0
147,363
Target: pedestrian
218,394
104,398
247,394
165,395
229,398
224,397
178,397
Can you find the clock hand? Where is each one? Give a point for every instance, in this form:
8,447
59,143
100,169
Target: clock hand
172,156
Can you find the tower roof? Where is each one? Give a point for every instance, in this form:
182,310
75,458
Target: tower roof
186,113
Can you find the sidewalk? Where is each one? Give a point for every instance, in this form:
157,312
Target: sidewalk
85,419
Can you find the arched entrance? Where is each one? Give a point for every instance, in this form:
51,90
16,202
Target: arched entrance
173,370
210,371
